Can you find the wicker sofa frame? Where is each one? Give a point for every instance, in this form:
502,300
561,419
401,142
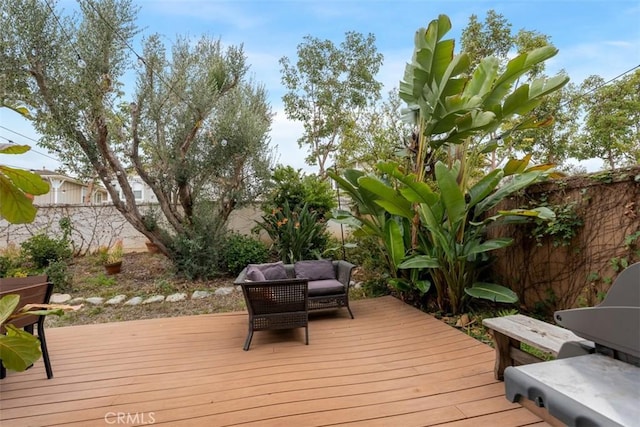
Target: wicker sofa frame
285,303
277,304
318,299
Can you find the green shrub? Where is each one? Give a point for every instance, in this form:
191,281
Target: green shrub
366,252
44,250
295,188
196,253
6,264
240,250
296,234
58,273
12,262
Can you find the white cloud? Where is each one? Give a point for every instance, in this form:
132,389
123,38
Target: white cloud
284,141
607,58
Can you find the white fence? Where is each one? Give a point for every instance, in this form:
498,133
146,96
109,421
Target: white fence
102,225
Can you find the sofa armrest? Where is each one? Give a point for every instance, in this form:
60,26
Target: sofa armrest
240,280
343,271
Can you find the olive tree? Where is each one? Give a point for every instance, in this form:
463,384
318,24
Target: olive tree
193,128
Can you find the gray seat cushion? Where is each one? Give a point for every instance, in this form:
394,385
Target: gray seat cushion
325,287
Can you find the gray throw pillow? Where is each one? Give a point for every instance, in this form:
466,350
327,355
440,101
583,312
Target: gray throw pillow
320,269
272,271
254,274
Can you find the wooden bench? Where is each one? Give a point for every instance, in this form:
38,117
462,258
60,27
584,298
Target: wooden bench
509,331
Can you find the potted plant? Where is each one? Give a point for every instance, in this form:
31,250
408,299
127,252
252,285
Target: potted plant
112,258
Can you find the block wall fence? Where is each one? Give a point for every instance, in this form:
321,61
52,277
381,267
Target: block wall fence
549,277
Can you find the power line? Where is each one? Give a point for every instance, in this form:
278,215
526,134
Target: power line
10,141
582,95
19,134
64,32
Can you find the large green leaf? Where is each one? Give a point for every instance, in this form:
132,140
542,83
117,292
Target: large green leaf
388,198
414,191
15,206
516,68
488,245
394,242
431,58
485,186
18,349
483,77
528,96
362,197
420,261
451,194
519,102
544,86
492,292
518,183
453,82
8,304
28,182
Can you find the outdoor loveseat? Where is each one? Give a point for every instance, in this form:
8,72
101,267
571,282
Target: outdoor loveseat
279,296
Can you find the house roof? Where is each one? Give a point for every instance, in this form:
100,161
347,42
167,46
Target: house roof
47,174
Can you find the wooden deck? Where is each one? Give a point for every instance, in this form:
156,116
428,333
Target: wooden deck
391,366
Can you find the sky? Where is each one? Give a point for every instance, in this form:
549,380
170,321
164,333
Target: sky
593,37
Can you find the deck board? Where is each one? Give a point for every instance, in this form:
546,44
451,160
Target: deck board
392,365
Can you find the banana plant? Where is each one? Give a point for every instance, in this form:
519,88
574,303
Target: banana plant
439,222
453,246
451,104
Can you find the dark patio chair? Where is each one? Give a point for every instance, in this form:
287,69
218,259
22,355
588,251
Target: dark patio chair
323,294
276,304
32,290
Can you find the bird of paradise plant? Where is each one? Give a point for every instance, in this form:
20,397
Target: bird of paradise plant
432,218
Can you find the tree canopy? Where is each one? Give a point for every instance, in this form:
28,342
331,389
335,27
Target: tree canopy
611,129
328,89
194,128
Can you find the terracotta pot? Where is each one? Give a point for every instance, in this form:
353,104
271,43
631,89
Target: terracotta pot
152,247
113,268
